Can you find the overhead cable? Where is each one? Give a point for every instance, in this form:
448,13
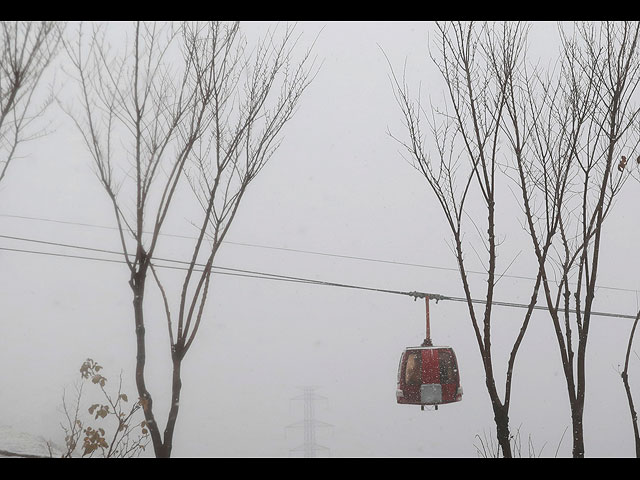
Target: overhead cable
279,277
308,252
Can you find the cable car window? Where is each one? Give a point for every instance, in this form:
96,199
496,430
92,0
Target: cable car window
447,367
400,367
412,374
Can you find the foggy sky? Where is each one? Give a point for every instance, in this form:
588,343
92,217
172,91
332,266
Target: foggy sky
338,184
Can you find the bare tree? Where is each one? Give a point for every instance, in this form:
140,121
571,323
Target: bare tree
26,50
213,119
568,132
624,374
475,62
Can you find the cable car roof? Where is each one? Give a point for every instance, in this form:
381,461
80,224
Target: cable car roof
427,348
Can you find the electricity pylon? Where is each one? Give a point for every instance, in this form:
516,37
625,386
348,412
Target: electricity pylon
309,447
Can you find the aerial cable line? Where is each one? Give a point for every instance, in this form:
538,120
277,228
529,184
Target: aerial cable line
247,273
309,252
67,245
276,276
270,247
228,271
272,276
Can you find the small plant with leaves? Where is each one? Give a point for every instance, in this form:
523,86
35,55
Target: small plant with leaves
118,435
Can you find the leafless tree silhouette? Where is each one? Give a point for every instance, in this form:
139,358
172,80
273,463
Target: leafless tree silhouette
475,62
568,131
191,101
26,50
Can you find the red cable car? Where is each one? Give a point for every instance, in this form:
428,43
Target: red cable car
428,375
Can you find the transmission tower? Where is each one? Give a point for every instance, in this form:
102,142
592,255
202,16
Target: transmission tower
309,447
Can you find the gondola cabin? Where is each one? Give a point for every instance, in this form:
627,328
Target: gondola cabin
428,375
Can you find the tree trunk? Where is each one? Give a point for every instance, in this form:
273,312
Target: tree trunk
578,437
632,410
137,286
501,417
627,388
176,387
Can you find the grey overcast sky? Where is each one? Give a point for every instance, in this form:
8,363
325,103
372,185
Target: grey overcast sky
338,184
